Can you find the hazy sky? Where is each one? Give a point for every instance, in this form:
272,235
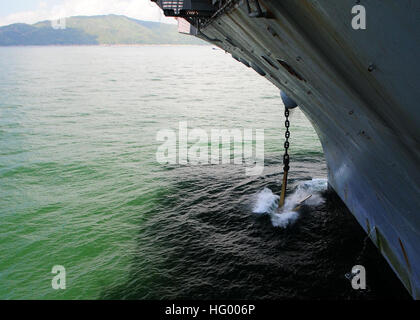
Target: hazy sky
31,11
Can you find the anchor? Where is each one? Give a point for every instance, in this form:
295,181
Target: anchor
299,206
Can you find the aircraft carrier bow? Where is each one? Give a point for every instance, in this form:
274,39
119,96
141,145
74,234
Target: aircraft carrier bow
358,87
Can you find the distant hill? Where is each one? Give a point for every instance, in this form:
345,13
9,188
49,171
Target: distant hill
95,30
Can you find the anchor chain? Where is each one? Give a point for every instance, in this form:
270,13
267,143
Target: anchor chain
286,157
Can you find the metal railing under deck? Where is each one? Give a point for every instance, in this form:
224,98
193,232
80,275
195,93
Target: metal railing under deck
186,8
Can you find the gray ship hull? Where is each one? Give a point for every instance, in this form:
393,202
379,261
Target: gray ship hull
359,88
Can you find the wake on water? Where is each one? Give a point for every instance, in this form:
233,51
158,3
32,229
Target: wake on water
267,202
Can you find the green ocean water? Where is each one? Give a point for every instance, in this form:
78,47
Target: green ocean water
80,185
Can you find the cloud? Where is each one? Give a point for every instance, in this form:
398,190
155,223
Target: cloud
138,9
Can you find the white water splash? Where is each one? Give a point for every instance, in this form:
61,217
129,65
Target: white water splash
267,202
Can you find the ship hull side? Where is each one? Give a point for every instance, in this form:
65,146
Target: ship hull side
360,91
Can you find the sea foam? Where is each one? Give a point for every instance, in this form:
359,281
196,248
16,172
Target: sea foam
267,202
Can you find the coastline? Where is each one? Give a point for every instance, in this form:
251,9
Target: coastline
109,45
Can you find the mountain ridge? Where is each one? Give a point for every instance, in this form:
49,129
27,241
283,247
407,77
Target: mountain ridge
94,30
